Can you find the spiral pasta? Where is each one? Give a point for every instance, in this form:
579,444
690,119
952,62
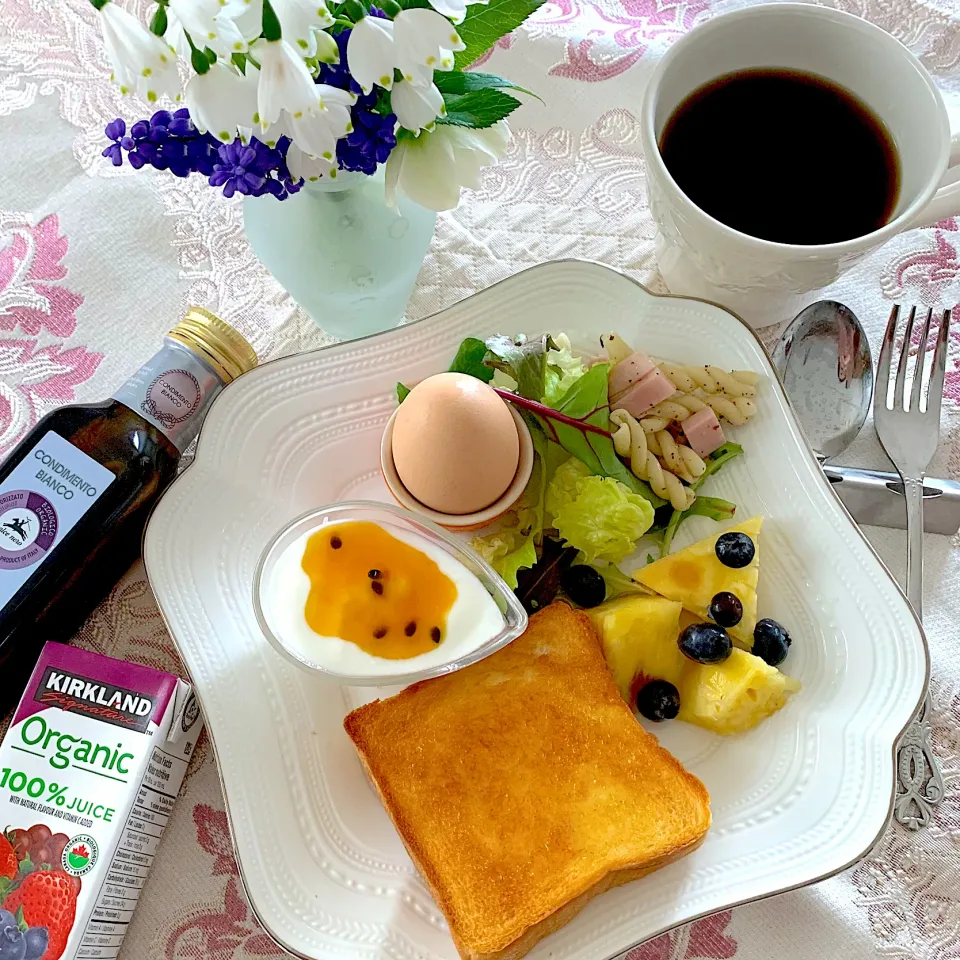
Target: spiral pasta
711,379
631,441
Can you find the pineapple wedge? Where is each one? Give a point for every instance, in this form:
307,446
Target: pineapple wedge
694,575
639,640
733,696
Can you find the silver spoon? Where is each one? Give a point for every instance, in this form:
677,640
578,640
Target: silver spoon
823,359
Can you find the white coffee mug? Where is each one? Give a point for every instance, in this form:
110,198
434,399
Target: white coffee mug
766,282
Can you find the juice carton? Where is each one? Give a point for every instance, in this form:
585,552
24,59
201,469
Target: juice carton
89,772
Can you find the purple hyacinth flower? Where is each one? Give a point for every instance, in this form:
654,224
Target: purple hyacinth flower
235,171
115,131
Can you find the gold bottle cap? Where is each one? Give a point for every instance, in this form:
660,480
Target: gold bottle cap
216,342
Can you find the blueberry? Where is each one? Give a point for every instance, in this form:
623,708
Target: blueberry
583,585
12,944
771,642
726,609
705,643
37,939
735,550
658,700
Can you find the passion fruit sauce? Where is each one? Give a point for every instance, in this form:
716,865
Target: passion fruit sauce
373,590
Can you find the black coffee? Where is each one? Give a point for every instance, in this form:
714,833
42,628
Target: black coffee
784,156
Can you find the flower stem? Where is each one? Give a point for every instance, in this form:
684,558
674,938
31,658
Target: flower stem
542,410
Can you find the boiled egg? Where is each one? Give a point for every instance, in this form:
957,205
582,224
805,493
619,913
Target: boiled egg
455,444
355,598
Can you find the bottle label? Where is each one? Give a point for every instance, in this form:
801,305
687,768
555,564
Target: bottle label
172,390
41,500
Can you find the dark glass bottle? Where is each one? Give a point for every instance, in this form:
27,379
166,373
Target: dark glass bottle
76,492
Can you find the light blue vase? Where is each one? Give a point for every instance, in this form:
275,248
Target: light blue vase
346,257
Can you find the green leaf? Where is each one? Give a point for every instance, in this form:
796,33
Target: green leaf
587,400
477,109
712,507
485,24
456,81
6,885
402,392
618,583
469,360
18,916
523,360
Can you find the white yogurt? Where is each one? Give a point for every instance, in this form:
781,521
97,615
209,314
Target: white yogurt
474,618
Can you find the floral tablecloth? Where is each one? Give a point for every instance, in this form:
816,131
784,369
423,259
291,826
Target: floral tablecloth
95,264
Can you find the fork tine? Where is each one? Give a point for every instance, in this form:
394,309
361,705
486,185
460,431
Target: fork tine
886,352
918,365
939,367
899,400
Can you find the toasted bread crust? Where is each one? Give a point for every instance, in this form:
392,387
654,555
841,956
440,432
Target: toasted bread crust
522,786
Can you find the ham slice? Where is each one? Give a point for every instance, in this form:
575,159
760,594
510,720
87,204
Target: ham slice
652,389
628,372
703,432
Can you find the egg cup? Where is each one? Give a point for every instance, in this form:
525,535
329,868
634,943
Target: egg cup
459,521
394,519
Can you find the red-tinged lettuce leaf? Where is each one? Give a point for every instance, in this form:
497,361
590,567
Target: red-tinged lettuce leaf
587,401
525,361
538,586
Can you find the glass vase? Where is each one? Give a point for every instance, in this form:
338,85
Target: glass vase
346,257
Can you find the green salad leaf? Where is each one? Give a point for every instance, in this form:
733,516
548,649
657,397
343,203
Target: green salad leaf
586,400
563,369
619,584
599,516
469,360
524,361
713,507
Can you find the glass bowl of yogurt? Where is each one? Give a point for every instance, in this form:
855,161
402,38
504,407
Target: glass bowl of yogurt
370,594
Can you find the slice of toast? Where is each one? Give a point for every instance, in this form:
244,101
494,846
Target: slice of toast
522,786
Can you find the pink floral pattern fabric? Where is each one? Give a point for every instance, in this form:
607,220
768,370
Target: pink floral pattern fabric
96,262
36,307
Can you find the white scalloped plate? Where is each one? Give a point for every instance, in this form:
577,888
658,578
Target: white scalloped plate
794,801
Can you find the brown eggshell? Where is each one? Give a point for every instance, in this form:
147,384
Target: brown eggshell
455,444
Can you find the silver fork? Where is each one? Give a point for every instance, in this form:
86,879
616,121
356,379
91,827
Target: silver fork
909,429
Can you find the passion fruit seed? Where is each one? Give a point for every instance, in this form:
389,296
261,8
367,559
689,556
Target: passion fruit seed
336,542
377,587
380,632
410,629
435,634
373,574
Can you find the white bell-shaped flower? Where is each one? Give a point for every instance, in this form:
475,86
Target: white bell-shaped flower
423,42
223,101
141,60
176,36
285,82
454,10
248,16
431,169
318,130
302,166
211,24
370,53
300,20
416,106
326,50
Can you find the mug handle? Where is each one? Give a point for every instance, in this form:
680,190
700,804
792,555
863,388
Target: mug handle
946,201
